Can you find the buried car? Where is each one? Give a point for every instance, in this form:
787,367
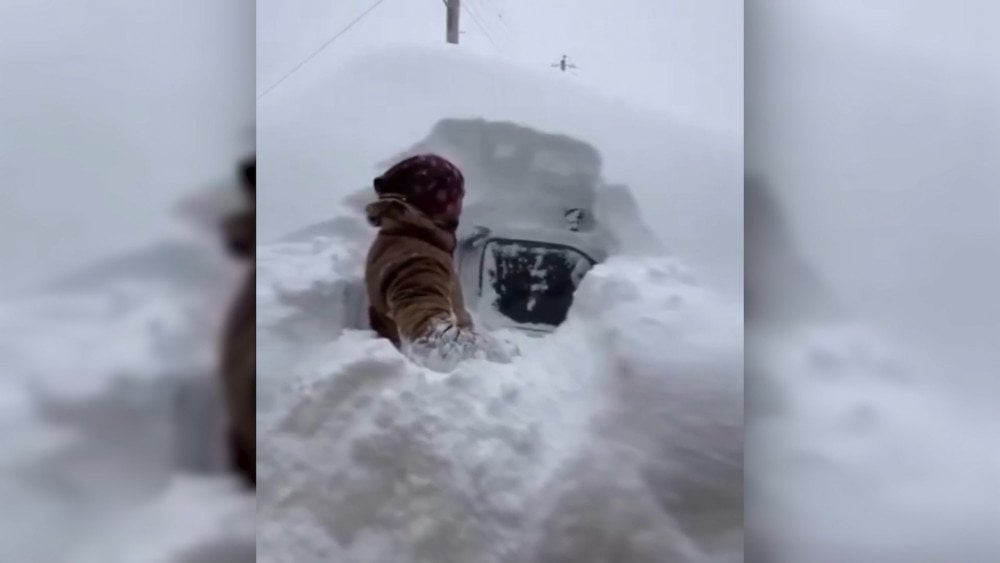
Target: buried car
525,279
538,216
519,277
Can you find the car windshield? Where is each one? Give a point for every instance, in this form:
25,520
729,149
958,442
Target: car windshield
532,282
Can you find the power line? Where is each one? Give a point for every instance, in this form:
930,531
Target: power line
499,13
479,24
320,49
485,7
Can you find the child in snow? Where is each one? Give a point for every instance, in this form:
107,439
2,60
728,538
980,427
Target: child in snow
414,294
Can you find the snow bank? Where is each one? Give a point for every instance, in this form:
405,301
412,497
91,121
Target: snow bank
858,458
862,449
112,415
595,446
197,519
616,438
859,452
325,135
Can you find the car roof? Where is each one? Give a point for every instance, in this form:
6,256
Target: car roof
587,242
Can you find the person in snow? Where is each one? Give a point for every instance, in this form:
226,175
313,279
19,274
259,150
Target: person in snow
414,293
238,361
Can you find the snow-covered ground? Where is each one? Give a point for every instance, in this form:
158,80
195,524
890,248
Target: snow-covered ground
861,448
112,418
617,438
858,452
109,417
872,366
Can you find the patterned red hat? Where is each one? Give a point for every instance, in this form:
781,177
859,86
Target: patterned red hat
428,182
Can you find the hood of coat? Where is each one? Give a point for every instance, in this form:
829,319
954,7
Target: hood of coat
394,216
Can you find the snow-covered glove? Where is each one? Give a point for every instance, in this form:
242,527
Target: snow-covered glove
443,347
448,344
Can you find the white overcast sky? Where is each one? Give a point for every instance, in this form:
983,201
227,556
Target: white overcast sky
878,122
109,113
681,57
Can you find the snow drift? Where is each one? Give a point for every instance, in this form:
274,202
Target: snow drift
857,456
525,181
324,135
872,387
113,414
617,438
859,451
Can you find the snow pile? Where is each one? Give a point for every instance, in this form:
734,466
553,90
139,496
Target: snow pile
197,519
617,438
147,332
521,182
308,291
313,275
113,416
859,452
858,458
328,132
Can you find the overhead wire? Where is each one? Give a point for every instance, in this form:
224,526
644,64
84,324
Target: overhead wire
321,48
479,24
499,13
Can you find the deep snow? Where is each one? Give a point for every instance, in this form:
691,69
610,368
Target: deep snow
325,135
861,448
111,412
871,421
618,438
859,453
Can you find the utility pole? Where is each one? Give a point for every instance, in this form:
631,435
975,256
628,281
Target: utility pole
454,9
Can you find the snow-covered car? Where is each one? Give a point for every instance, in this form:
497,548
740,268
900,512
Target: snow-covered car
525,278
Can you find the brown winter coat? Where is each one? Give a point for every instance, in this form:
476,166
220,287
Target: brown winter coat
239,373
238,361
410,274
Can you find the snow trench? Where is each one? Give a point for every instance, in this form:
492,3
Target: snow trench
617,438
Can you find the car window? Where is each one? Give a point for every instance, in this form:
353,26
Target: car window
532,282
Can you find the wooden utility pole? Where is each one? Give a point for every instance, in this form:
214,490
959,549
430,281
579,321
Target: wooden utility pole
454,9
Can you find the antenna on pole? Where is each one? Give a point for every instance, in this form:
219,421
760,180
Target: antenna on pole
563,65
454,9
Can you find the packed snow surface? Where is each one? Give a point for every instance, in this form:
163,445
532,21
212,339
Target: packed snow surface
617,438
859,453
861,448
112,420
872,421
